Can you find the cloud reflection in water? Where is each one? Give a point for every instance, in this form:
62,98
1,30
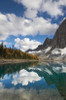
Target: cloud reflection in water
24,77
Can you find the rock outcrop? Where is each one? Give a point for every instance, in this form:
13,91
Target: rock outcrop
47,43
58,41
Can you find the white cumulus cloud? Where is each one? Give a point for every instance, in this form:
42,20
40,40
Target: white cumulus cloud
30,13
26,44
10,24
52,7
35,4
30,23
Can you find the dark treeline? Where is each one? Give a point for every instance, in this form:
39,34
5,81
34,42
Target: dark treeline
11,53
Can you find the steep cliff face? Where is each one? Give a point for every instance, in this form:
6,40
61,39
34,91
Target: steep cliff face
59,40
47,43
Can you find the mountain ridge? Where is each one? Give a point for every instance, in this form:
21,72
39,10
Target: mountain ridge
58,41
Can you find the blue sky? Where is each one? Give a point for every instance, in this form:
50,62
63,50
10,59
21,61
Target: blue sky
27,23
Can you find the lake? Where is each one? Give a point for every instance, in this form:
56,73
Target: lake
33,81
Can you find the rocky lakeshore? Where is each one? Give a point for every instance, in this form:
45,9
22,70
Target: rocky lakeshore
7,61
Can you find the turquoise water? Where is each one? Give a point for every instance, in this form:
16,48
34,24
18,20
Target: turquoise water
33,81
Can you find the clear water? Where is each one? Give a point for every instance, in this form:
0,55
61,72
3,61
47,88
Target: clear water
33,81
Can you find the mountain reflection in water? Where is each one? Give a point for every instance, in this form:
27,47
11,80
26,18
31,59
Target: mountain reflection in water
33,81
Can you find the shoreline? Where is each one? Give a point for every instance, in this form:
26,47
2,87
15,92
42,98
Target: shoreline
10,61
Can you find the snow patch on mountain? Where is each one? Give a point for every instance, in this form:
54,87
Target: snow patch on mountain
48,49
58,51
40,51
35,52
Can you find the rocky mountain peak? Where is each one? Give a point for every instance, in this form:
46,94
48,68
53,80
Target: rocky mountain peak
59,40
47,42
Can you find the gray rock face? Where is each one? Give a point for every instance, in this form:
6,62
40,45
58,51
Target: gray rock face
47,43
59,39
40,47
